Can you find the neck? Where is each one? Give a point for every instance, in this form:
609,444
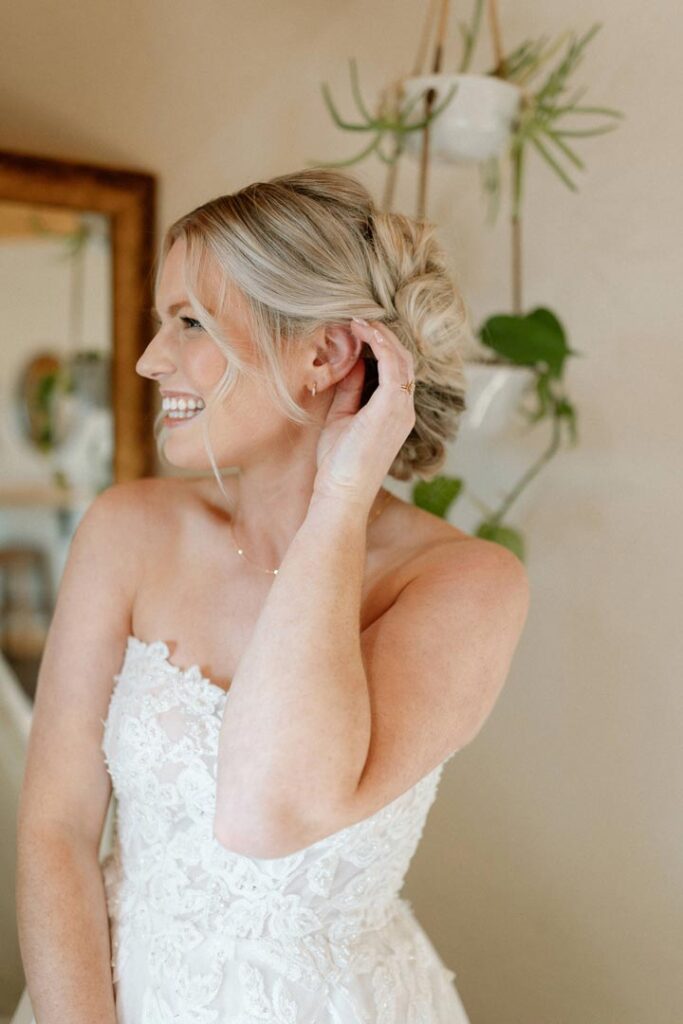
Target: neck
267,506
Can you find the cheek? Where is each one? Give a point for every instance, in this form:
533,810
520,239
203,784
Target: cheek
205,364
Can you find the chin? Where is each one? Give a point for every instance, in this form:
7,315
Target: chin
183,451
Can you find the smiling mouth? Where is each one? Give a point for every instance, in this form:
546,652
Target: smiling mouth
181,407
177,416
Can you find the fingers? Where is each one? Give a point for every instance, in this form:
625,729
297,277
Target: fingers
395,362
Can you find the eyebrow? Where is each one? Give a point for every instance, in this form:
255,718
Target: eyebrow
171,309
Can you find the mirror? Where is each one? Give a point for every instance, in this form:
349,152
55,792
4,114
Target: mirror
76,259
76,254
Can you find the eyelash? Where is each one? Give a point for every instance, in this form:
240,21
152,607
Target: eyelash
190,323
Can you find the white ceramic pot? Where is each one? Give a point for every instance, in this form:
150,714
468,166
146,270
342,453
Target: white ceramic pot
475,125
493,395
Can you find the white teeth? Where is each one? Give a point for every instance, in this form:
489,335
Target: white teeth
180,408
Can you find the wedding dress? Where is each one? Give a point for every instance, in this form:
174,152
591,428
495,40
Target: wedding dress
202,935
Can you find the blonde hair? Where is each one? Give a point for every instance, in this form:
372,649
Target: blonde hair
309,249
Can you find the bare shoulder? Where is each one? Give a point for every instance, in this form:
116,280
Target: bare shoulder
468,555
431,547
480,573
135,502
124,516
134,496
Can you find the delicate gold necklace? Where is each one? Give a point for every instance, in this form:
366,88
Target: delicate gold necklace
274,572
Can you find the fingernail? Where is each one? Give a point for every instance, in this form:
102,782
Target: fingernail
359,320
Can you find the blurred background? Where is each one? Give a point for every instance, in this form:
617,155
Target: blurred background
550,875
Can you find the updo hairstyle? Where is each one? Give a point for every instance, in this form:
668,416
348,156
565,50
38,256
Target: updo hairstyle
308,249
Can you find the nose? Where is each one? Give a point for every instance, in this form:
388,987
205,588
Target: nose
154,362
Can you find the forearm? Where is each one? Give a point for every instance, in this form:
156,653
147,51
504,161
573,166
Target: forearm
64,931
296,726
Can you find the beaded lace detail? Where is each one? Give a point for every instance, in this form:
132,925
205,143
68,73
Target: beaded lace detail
202,935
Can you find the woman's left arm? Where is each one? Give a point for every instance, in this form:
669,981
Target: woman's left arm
296,726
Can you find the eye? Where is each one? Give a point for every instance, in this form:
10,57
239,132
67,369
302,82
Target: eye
190,323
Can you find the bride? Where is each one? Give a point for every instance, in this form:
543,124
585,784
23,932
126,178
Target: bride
271,665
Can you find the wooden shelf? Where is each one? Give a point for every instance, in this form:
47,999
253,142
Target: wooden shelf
44,494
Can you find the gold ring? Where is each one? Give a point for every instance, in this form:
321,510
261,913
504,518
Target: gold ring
409,386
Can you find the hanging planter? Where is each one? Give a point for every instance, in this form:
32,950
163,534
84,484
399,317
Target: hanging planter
476,124
492,119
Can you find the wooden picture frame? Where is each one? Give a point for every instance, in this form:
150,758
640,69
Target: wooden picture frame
128,199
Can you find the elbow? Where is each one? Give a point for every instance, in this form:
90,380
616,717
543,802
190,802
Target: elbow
228,842
261,839
234,841
242,824
265,826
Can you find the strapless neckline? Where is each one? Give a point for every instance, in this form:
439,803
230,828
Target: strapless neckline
161,650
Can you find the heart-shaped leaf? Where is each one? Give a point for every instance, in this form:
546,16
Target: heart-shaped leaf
505,535
528,340
437,495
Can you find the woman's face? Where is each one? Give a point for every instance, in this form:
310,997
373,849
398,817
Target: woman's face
186,362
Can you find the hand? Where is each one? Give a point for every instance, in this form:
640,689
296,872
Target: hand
357,446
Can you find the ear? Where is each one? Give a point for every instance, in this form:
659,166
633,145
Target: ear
340,348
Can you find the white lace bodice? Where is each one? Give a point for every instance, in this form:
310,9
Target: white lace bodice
202,935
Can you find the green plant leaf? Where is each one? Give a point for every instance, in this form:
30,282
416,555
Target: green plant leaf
528,340
544,396
437,495
469,34
553,163
572,109
583,132
507,536
546,317
355,89
336,117
567,150
556,81
565,410
351,160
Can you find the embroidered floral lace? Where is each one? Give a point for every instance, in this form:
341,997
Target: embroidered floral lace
201,935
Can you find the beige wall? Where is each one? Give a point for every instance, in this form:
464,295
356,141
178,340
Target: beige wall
550,876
